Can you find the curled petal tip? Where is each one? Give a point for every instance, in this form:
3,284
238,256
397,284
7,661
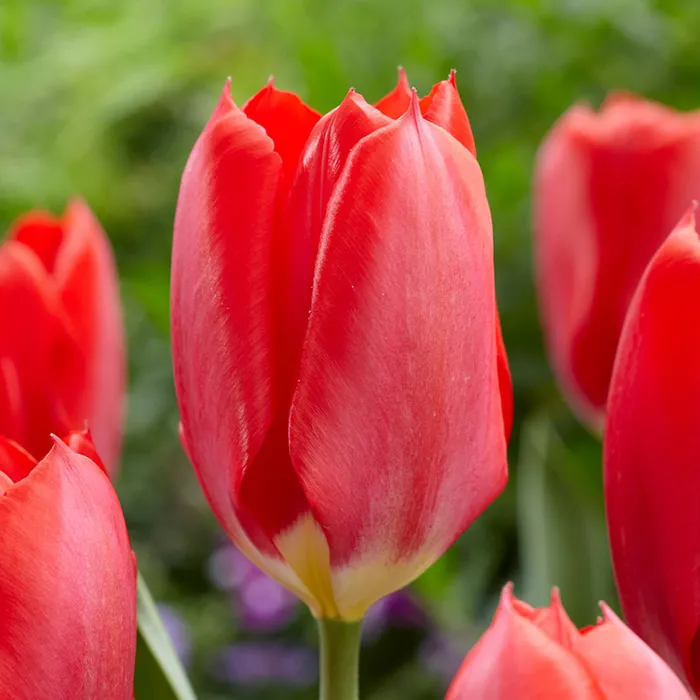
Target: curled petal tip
270,81
452,79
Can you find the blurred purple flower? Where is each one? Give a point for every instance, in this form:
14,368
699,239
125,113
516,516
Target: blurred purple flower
399,609
179,633
442,656
262,605
258,663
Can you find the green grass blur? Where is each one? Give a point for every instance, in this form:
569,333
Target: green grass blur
106,98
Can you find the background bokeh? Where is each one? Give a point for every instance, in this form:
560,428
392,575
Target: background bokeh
106,98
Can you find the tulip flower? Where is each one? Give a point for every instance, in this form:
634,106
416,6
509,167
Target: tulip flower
67,580
335,339
652,453
538,654
61,336
609,188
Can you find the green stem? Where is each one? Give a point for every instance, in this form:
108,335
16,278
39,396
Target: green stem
340,659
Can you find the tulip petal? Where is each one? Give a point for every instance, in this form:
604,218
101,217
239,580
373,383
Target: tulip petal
517,659
398,100
42,232
32,335
222,330
620,661
651,454
443,106
287,121
12,411
609,187
221,305
505,383
67,585
15,461
400,335
323,160
81,442
86,278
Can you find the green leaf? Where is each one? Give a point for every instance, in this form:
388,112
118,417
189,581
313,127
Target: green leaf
561,524
159,674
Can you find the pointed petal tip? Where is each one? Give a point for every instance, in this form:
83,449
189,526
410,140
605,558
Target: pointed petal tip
555,597
608,613
414,110
402,81
507,594
452,78
226,99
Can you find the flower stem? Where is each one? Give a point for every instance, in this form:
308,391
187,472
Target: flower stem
340,659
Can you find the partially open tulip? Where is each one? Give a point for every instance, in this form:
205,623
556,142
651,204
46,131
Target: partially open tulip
335,338
538,654
652,455
61,336
609,188
67,580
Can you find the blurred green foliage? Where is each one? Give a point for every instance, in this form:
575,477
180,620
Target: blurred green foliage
106,98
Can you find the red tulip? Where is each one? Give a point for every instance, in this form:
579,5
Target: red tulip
67,580
61,336
652,454
335,338
538,654
609,188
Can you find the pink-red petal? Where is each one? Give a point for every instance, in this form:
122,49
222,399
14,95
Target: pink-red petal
398,100
609,187
32,333
652,452
396,414
443,106
67,585
275,503
624,666
515,658
287,121
15,461
42,232
222,302
86,279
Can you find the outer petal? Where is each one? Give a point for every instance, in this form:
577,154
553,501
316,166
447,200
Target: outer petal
609,187
398,100
515,658
67,585
32,334
652,452
287,121
223,328
87,281
443,106
220,295
624,666
397,414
